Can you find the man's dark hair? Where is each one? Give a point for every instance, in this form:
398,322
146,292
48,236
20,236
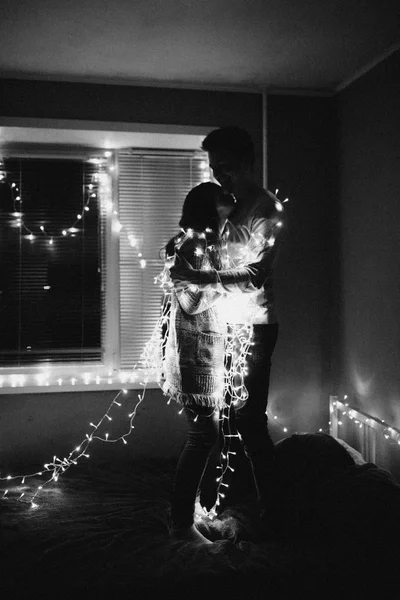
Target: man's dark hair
231,142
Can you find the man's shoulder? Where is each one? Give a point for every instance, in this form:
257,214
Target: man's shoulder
265,204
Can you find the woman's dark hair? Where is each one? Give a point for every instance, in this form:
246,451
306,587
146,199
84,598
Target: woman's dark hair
233,143
199,211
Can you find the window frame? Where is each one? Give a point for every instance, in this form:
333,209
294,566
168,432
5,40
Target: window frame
105,374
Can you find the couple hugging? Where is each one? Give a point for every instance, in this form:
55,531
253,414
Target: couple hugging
221,267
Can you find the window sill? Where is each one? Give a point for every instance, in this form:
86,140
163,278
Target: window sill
73,379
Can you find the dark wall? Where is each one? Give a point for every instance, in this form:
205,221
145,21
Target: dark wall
301,164
370,251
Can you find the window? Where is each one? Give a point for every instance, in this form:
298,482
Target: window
50,269
81,242
152,187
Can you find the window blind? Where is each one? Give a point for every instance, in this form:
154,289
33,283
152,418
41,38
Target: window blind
152,188
50,297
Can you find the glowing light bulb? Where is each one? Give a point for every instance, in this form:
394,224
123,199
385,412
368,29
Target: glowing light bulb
132,240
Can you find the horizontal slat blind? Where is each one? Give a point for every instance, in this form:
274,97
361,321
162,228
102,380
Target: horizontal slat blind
152,188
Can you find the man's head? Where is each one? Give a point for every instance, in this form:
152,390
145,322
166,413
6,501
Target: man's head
231,155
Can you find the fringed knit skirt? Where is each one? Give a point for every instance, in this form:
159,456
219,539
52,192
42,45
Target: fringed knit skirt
194,369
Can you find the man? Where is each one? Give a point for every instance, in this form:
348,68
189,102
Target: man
251,234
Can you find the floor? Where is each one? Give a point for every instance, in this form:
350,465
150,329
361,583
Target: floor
102,531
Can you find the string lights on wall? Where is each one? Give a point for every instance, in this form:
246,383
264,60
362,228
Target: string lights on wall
341,411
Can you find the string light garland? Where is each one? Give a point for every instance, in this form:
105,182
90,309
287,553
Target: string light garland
91,192
340,410
238,344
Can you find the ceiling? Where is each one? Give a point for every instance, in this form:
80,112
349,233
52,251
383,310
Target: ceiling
277,44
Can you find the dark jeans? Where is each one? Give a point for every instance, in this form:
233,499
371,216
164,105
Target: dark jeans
202,436
251,422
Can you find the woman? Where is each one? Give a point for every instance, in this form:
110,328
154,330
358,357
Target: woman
195,349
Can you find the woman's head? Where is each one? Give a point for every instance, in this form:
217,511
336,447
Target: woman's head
204,207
